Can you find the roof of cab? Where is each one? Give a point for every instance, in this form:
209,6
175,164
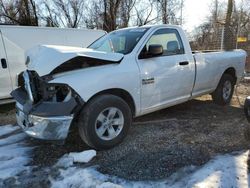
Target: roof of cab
152,26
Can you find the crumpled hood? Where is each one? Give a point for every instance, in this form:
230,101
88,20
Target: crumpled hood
45,58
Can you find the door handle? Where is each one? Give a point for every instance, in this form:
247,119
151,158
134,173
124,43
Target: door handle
184,63
148,81
4,63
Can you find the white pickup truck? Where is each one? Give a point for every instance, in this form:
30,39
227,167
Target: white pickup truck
127,73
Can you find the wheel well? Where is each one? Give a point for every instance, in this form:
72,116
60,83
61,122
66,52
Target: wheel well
120,93
231,71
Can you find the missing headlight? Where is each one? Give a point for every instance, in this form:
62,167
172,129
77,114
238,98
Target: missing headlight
57,93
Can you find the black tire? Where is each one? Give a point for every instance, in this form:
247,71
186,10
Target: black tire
247,108
217,95
88,117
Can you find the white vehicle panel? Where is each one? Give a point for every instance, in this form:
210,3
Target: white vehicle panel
5,81
90,81
28,37
172,82
53,56
210,67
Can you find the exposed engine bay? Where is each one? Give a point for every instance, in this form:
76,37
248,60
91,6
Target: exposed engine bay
46,98
49,60
45,110
81,62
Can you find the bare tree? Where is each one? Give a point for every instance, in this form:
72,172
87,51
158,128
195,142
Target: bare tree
50,17
163,8
144,13
110,13
169,9
236,22
66,13
203,37
125,9
240,21
94,15
22,12
228,32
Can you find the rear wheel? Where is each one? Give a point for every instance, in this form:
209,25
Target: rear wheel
104,121
224,91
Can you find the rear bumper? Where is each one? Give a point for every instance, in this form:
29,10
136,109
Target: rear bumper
46,128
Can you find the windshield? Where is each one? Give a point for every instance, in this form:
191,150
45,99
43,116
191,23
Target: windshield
120,41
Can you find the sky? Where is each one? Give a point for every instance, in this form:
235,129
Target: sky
195,13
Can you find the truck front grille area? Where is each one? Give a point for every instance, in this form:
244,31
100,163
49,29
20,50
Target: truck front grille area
38,89
20,81
29,81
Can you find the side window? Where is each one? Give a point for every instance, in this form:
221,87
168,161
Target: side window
169,39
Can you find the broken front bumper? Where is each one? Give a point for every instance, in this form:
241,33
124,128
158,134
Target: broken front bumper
47,128
44,120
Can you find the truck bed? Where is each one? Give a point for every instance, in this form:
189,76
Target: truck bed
210,65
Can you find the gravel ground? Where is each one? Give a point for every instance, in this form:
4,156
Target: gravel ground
160,143
7,114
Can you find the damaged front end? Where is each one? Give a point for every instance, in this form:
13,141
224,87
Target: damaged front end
44,110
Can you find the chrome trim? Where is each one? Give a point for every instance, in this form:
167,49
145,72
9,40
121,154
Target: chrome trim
27,85
19,106
46,128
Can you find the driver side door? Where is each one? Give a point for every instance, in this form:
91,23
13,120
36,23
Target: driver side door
166,79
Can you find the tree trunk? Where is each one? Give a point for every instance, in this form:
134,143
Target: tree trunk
35,12
228,38
164,5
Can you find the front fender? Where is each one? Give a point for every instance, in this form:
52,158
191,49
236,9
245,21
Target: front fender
90,81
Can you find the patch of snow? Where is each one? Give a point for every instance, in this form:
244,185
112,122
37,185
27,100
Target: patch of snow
109,185
14,155
75,157
13,139
83,157
65,162
222,171
6,129
75,177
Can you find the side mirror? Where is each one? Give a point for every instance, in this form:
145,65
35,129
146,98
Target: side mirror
155,50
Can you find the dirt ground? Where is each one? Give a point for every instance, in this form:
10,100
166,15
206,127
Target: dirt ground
160,143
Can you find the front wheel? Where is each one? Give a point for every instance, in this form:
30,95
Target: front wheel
104,121
224,91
